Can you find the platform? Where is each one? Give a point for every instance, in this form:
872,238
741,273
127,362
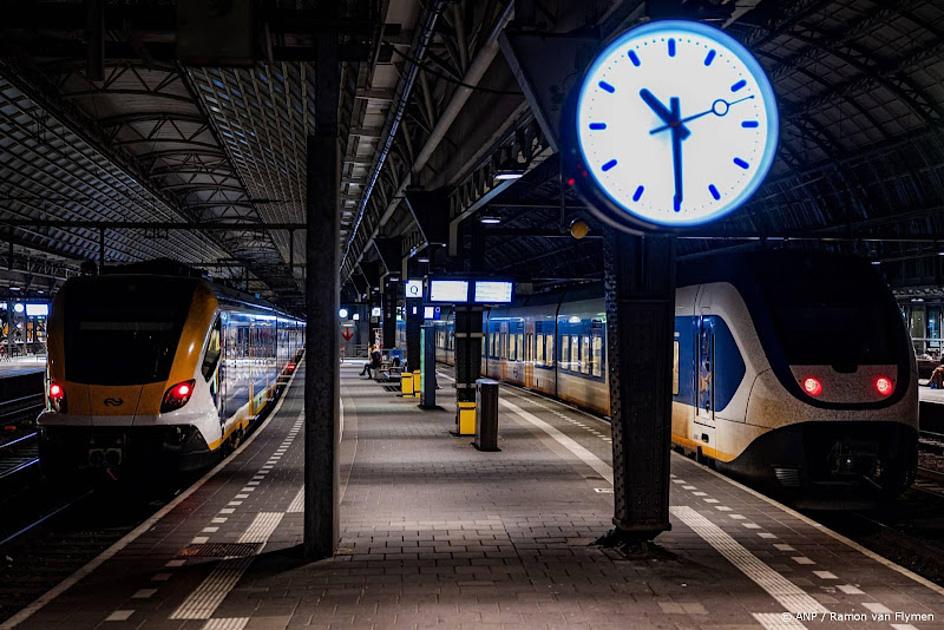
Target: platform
17,366
436,533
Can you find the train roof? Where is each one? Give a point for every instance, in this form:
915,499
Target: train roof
228,297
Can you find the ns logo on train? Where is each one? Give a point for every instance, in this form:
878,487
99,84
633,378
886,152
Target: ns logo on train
676,125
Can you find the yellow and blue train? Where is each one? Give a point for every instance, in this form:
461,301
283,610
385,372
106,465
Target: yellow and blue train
152,371
791,368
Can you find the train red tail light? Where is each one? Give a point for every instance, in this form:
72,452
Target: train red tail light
290,367
55,391
177,396
884,386
812,386
57,396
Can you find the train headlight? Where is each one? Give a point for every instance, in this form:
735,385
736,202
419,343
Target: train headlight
884,386
177,396
812,386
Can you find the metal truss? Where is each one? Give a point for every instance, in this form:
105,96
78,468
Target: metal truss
445,72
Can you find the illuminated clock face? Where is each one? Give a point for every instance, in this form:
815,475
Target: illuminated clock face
677,123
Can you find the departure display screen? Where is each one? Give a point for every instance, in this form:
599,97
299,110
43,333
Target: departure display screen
37,310
452,291
493,292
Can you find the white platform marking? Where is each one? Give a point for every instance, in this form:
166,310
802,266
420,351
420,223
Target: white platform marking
228,623
876,607
789,595
584,455
778,621
119,615
298,503
204,600
261,527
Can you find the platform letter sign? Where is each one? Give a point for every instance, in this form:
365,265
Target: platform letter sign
676,125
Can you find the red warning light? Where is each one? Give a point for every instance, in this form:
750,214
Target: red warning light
884,386
55,391
812,386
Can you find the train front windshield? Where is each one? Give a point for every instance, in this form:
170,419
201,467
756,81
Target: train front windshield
124,330
831,312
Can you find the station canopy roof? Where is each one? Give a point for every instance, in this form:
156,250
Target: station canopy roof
430,103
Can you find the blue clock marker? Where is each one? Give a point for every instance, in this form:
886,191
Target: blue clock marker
669,127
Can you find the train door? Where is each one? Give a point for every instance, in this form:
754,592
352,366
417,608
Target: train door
705,386
529,355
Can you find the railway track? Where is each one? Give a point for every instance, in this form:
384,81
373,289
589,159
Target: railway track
18,443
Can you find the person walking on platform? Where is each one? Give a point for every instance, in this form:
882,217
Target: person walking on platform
374,362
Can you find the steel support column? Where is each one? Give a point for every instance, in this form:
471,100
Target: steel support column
414,321
639,287
390,303
468,353
413,313
322,381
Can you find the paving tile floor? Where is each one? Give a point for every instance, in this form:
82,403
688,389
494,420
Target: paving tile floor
437,534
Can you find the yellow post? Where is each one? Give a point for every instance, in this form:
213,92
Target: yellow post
417,384
406,385
466,418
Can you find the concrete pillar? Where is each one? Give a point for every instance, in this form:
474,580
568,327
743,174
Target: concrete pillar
322,379
639,286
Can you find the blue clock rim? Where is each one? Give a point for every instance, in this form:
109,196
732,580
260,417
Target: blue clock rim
763,83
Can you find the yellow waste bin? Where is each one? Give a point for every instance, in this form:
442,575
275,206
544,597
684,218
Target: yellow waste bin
465,418
406,385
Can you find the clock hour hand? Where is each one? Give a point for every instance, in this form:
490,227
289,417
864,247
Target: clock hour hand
719,108
663,112
677,138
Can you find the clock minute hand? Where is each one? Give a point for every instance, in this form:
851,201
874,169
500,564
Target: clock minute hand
719,108
663,112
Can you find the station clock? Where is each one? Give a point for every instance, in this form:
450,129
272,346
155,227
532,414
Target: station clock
676,124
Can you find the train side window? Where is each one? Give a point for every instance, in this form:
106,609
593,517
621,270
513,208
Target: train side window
597,341
519,347
565,352
675,369
586,366
539,349
549,350
575,353
214,348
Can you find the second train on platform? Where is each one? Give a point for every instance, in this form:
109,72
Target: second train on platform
153,371
790,368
